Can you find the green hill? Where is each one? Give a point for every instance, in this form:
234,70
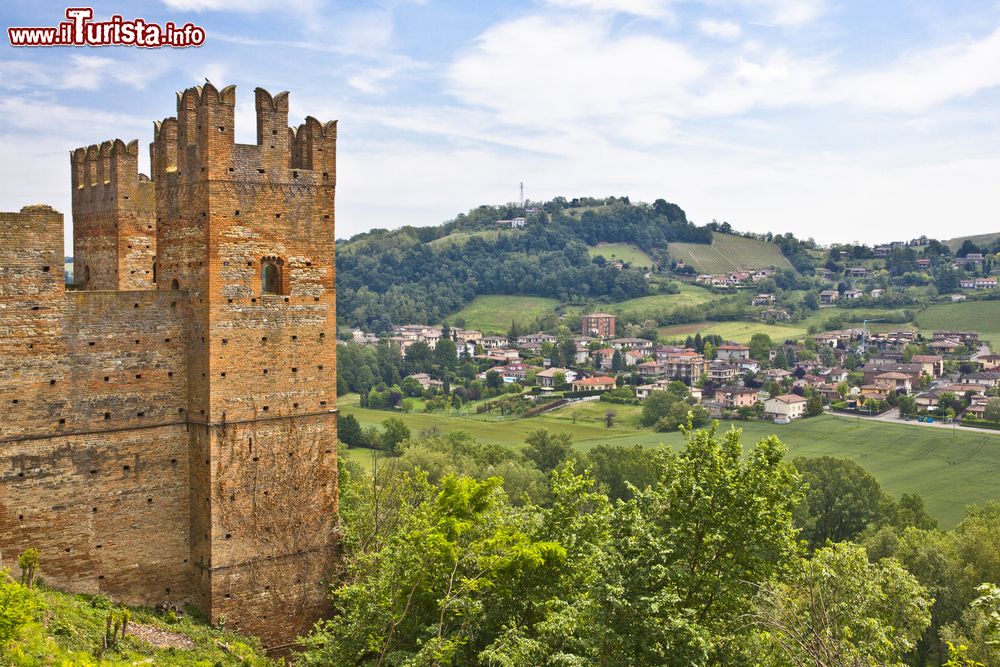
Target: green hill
729,253
978,239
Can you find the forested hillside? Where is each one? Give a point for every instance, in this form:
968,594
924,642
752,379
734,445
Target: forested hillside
423,274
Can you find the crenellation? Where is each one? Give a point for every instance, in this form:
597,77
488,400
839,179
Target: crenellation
125,395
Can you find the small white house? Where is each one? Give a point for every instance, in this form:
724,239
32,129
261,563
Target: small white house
783,409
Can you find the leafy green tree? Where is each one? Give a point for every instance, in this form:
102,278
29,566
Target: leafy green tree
814,406
907,405
839,609
760,346
18,607
445,354
395,434
349,430
687,554
548,450
619,469
842,499
979,628
28,561
992,410
617,362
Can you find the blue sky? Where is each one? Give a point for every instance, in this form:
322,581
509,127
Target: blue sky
850,121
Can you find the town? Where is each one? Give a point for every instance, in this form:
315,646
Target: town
896,374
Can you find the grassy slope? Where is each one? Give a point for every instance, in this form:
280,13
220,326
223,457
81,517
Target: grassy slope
625,252
728,253
459,238
492,313
950,470
981,316
978,239
75,626
741,332
645,306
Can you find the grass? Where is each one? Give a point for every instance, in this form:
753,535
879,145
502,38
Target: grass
729,253
460,238
981,316
950,470
737,332
742,331
651,306
73,630
493,313
624,252
978,239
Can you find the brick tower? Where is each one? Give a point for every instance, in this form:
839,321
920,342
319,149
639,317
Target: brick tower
114,240
247,231
169,426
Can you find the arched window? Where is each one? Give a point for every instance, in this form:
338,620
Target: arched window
174,284
270,276
154,270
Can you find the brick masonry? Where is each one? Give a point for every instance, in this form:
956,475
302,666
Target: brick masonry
169,425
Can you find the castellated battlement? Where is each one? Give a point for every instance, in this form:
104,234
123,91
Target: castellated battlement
199,142
169,426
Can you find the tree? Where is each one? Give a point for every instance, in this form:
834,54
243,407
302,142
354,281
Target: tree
842,499
558,379
445,355
839,609
992,410
493,380
657,406
814,406
907,405
709,350
760,346
679,570
18,606
546,449
395,434
349,430
617,362
28,561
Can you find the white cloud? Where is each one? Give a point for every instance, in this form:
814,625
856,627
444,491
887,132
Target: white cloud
82,72
926,77
720,29
782,13
546,72
646,8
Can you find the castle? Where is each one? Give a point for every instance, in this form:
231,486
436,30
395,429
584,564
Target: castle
168,423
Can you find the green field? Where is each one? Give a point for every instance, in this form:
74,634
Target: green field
460,238
737,332
624,252
728,253
981,316
493,313
658,304
948,469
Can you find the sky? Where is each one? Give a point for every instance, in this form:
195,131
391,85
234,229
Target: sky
843,121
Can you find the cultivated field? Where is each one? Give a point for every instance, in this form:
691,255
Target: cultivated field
737,332
948,469
493,313
624,252
981,316
658,304
728,253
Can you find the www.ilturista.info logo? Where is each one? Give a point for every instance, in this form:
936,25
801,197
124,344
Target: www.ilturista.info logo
80,30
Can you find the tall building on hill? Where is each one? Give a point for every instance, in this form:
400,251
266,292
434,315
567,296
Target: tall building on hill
169,429
600,325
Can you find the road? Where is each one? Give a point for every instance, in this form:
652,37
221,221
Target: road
893,417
